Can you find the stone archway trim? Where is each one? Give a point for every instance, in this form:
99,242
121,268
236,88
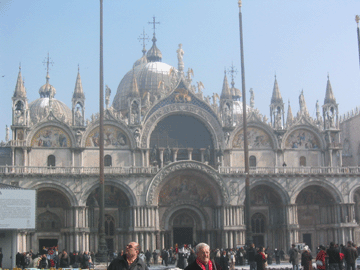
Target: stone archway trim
185,165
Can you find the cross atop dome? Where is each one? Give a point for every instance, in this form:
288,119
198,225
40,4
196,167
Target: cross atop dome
144,37
154,23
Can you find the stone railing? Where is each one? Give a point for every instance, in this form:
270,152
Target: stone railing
290,170
76,170
153,170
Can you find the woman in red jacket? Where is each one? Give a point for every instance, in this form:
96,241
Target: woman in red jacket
320,258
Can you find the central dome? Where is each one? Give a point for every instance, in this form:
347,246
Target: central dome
148,77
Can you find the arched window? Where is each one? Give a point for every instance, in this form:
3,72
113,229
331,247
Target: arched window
258,223
302,161
51,161
107,161
252,161
109,225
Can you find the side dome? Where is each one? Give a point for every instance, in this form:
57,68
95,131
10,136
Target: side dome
148,77
40,108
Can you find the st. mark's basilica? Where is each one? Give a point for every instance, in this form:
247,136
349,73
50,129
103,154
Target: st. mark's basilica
174,164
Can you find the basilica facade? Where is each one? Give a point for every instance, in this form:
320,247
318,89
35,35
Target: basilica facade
174,165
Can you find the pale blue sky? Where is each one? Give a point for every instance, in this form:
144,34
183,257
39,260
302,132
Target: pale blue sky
300,41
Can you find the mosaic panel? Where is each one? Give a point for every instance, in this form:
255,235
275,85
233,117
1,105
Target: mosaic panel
257,138
51,137
113,137
302,139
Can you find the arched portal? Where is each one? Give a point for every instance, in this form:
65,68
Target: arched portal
187,202
117,216
186,136
52,206
316,207
267,216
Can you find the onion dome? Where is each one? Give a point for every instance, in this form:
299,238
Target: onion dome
148,77
142,60
154,54
41,107
47,89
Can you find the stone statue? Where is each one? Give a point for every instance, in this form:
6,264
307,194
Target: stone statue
7,134
219,155
78,117
180,56
153,154
252,96
227,137
137,137
167,155
107,96
207,154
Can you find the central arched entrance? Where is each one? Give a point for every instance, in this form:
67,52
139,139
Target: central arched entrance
188,201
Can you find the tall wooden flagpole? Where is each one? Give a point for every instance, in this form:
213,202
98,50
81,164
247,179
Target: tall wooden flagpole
248,235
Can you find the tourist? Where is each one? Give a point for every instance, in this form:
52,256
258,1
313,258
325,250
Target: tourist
306,259
350,256
294,257
202,261
130,260
334,257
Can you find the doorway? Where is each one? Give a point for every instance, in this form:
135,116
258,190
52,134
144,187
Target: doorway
307,239
183,235
258,240
47,243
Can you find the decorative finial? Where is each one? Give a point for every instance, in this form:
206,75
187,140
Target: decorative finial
357,19
78,68
328,76
144,37
232,71
19,66
239,3
154,24
48,63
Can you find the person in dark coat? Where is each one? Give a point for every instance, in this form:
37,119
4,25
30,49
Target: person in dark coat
334,257
155,257
251,252
294,257
130,260
306,259
260,259
86,259
43,262
192,257
202,261
224,261
148,257
350,256
165,257
64,259
277,256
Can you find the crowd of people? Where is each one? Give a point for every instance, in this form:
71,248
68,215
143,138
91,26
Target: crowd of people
52,258
201,257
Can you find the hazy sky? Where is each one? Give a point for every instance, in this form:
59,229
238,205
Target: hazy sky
300,41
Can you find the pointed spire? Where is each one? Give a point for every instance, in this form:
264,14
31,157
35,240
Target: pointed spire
225,93
276,96
134,90
302,103
329,96
290,117
20,90
78,90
